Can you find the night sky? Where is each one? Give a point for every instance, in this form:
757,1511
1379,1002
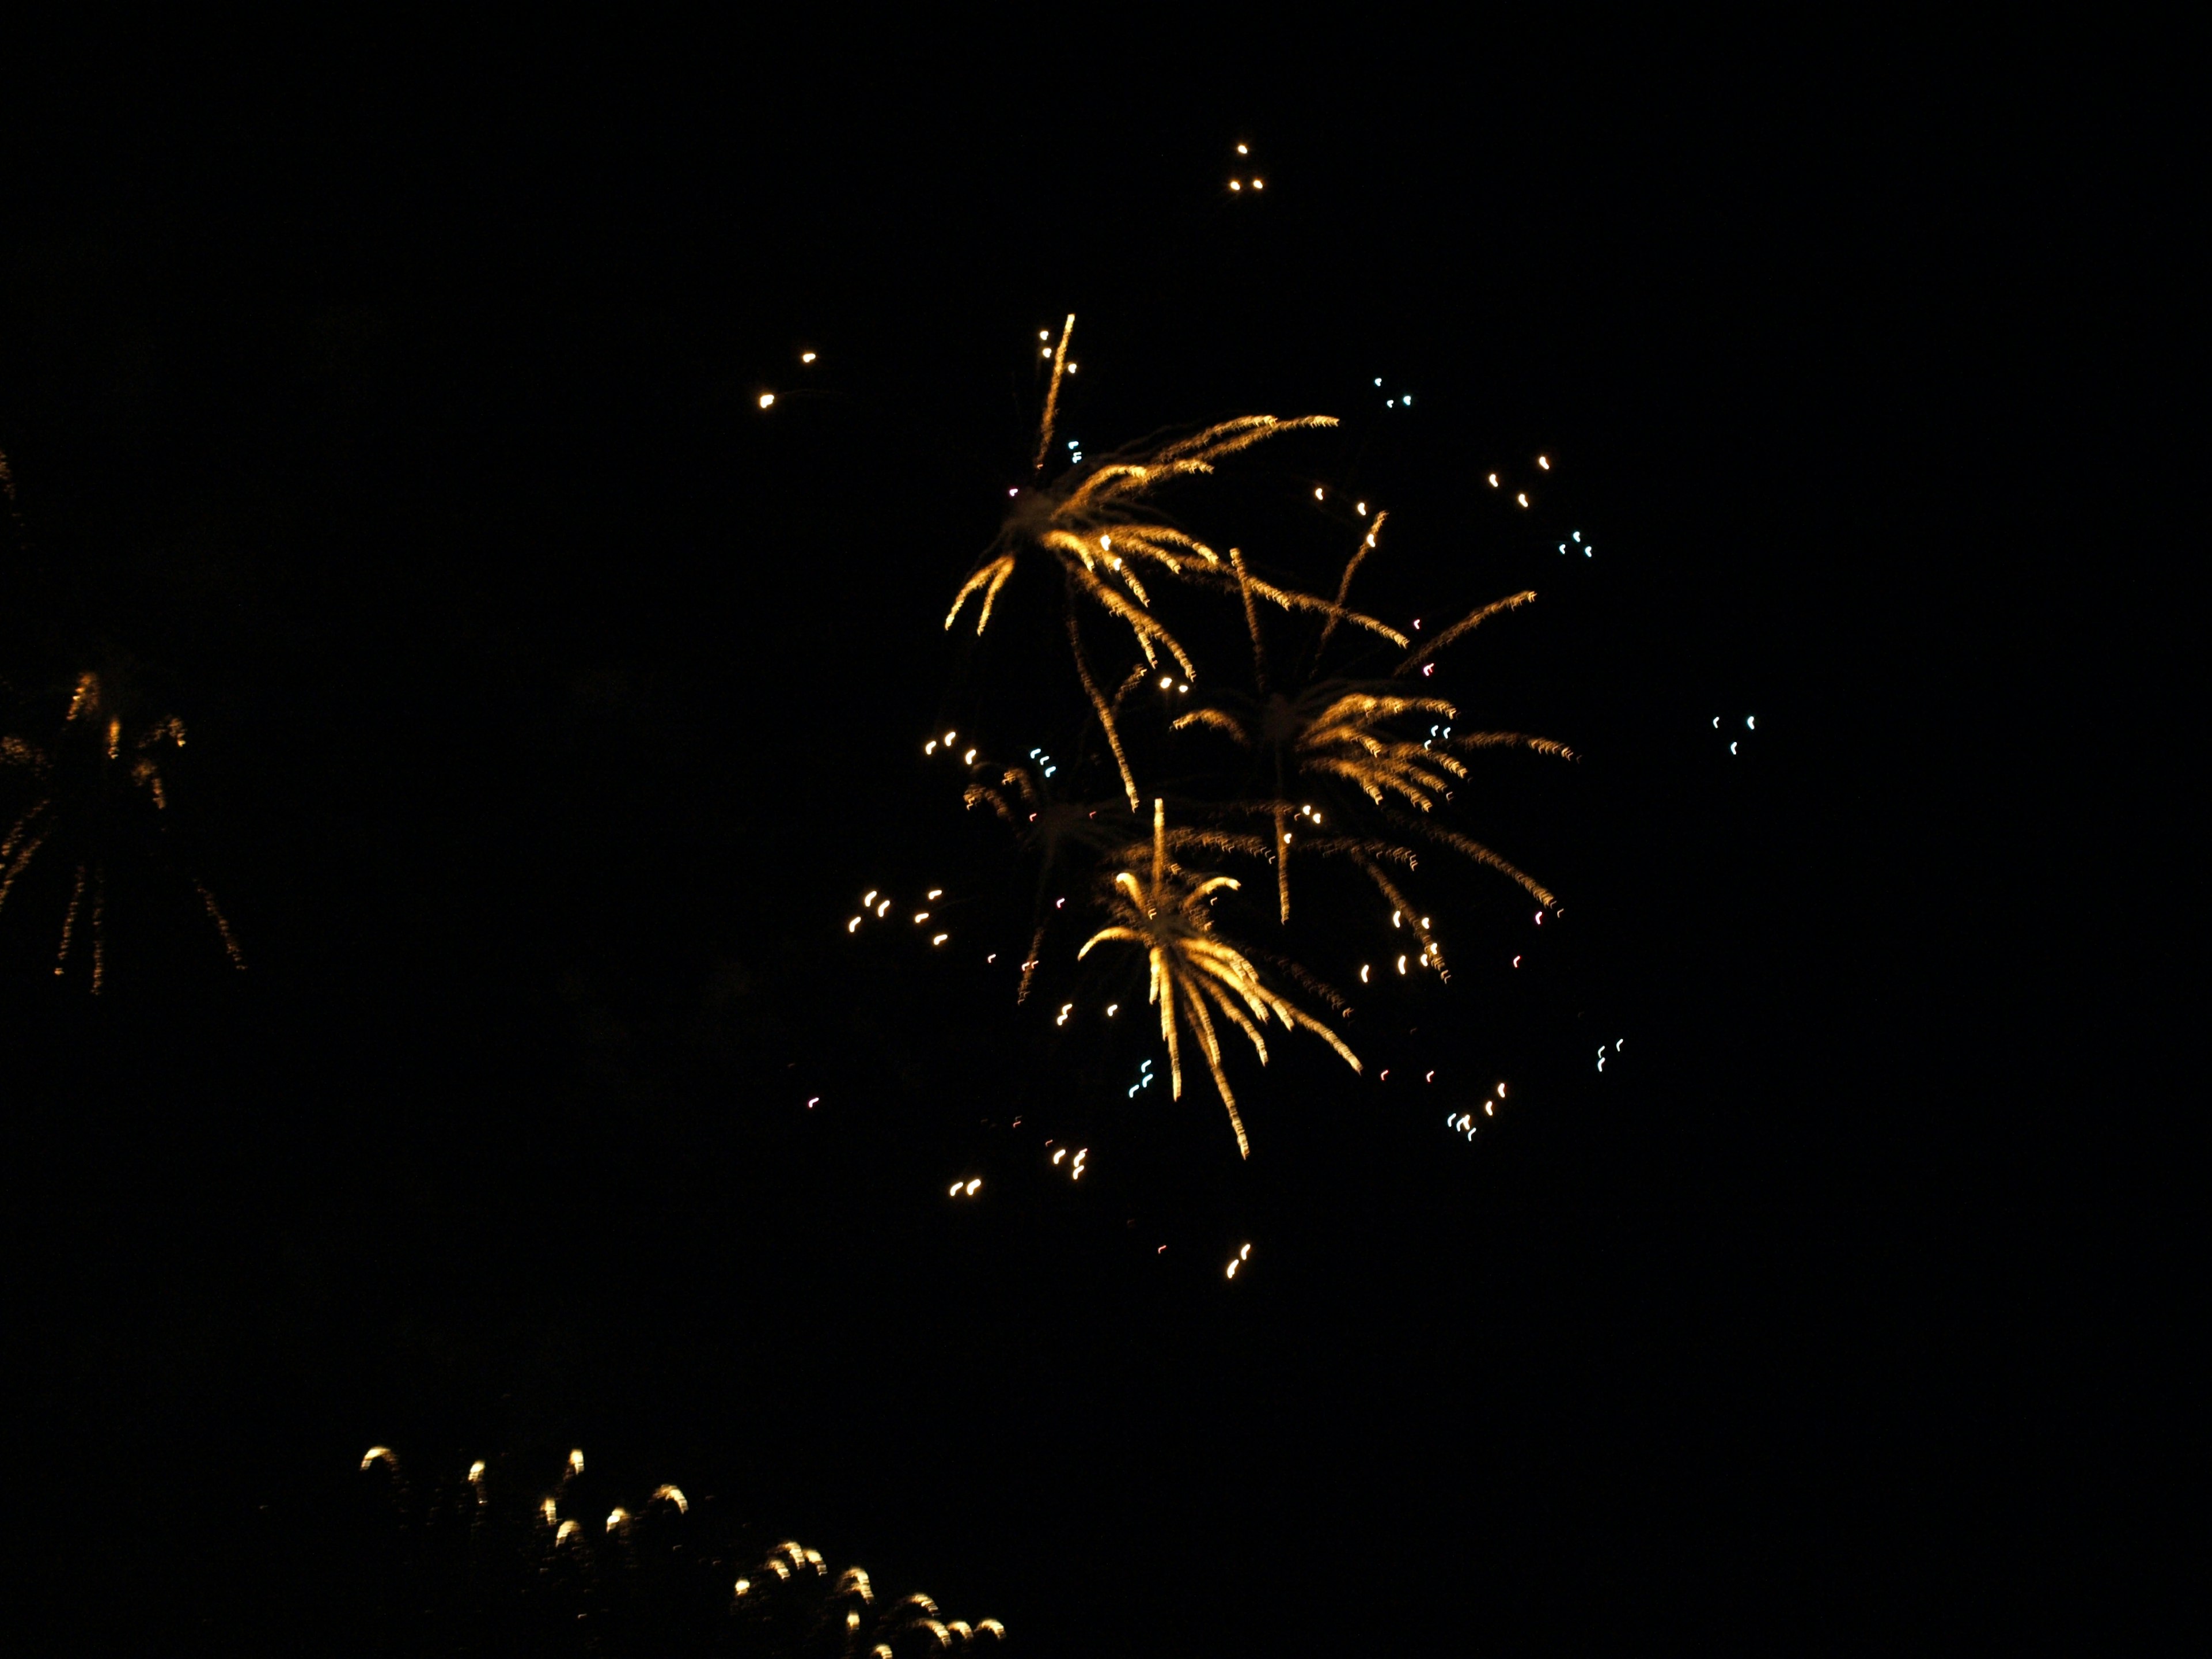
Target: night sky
388,409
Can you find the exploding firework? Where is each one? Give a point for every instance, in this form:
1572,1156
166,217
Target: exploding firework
1098,525
1194,974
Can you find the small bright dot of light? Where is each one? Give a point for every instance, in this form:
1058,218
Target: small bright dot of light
767,398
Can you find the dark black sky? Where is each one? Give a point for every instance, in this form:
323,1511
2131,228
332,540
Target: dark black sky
386,405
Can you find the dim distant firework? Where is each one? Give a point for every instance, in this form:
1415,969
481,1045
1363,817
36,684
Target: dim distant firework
96,793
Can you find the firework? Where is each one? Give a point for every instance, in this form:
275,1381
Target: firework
1098,524
96,788
1196,975
7,495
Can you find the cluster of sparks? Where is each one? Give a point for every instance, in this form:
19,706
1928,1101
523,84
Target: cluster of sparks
1467,1123
1249,181
806,360
790,1563
877,906
789,1579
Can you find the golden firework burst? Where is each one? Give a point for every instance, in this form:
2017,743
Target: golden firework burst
1098,525
1343,731
1194,974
